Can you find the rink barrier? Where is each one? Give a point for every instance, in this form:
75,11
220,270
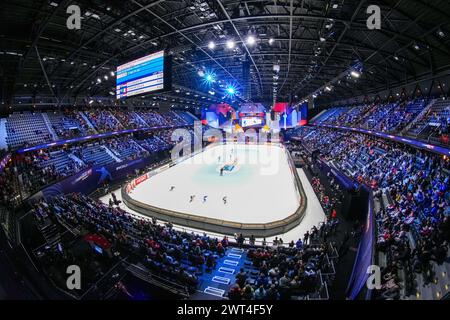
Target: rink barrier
258,230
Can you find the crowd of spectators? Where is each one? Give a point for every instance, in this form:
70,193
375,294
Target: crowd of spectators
181,257
178,256
432,125
415,182
400,116
352,116
103,120
28,129
153,118
126,148
374,118
282,272
129,119
37,168
8,188
25,171
154,143
329,203
69,124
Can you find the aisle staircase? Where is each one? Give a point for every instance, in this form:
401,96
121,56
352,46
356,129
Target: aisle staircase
49,126
141,120
88,122
218,282
418,118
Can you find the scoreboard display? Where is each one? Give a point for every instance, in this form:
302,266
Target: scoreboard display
148,74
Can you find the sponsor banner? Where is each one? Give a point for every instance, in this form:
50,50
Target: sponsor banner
87,181
134,183
141,179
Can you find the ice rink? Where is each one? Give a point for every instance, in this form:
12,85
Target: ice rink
259,186
314,214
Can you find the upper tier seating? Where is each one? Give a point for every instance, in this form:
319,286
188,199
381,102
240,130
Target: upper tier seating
129,119
391,117
62,161
103,120
37,128
152,118
417,184
374,117
353,116
125,148
154,144
330,116
174,119
94,154
187,117
68,124
434,125
26,129
400,116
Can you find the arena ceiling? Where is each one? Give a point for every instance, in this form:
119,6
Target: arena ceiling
312,41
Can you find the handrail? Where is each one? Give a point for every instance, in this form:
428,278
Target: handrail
152,278
93,286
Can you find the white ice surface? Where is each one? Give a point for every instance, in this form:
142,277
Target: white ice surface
313,215
260,189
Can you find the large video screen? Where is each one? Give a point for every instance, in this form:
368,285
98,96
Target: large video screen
144,75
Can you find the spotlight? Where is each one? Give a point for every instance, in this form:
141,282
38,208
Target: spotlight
209,77
355,74
271,41
105,77
112,73
230,90
230,44
211,45
251,40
